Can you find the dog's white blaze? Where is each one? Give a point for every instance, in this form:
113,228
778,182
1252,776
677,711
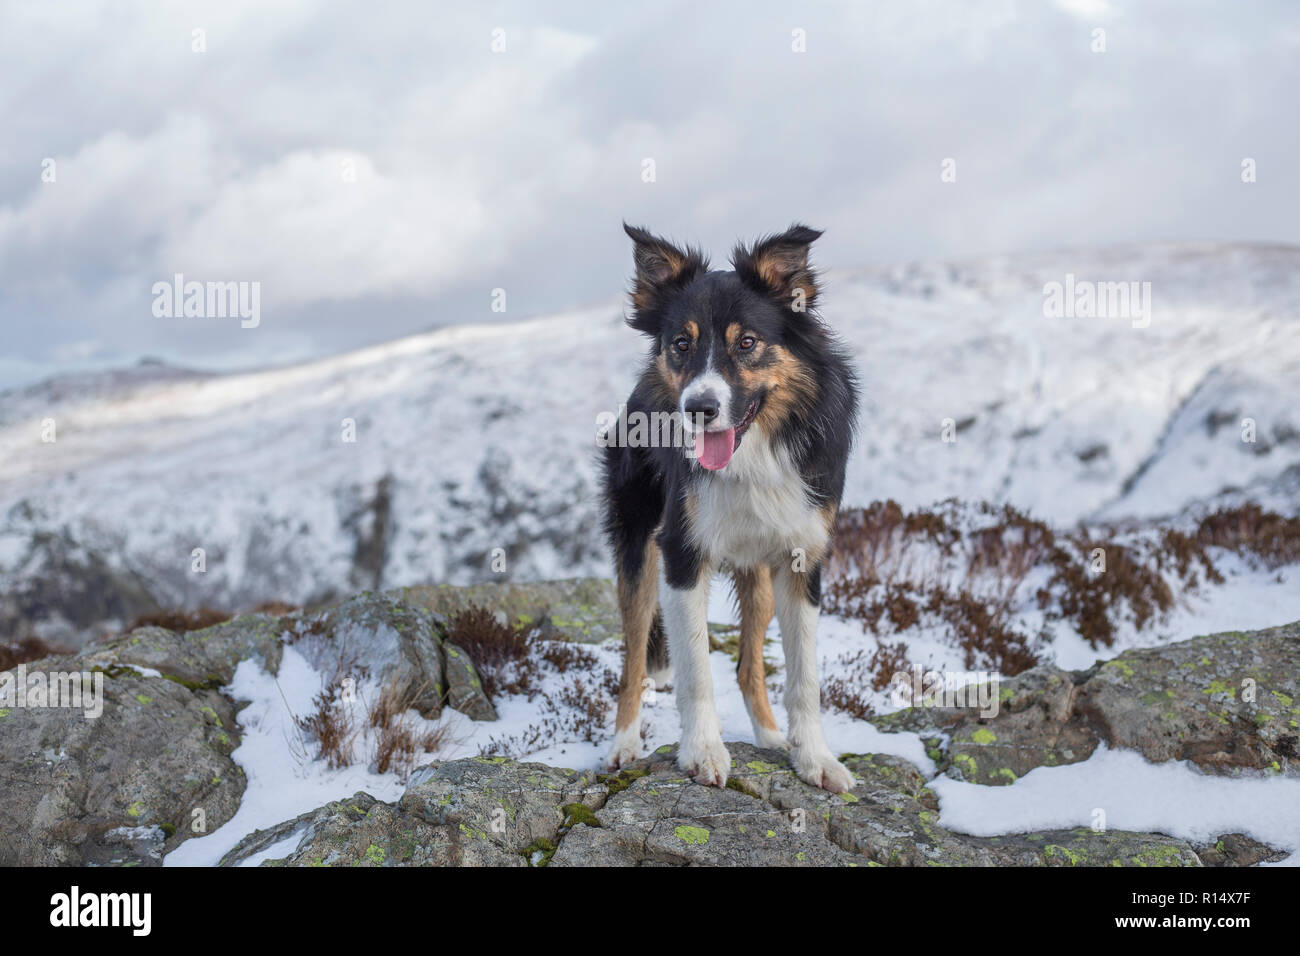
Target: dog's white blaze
710,381
757,509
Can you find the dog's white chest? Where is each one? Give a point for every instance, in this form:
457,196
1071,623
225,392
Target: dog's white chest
758,510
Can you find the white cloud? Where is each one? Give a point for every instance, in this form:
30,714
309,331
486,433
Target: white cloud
307,234
478,169
1090,10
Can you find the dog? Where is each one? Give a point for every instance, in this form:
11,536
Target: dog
768,404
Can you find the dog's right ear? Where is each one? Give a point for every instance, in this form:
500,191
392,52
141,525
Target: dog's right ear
778,265
660,268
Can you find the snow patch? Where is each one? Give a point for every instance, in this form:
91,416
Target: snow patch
1172,798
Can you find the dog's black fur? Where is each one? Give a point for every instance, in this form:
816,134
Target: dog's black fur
646,489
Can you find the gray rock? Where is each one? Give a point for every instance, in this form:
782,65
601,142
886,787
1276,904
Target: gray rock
203,659
359,831
380,636
1184,701
475,812
1187,701
383,636
1238,849
496,812
575,609
82,790
889,818
158,752
663,818
122,790
126,846
508,804
464,689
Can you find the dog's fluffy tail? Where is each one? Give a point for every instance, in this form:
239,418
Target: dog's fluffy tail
656,652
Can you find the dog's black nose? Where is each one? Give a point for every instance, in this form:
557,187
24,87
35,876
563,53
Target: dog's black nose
704,405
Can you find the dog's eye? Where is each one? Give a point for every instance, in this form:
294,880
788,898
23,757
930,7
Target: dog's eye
682,343
747,342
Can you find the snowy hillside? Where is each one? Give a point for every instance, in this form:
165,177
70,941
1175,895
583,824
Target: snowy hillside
479,437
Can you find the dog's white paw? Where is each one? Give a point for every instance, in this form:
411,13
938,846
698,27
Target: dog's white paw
770,739
625,749
821,769
707,761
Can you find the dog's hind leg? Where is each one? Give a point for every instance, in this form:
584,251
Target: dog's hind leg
754,595
638,592
656,653
798,594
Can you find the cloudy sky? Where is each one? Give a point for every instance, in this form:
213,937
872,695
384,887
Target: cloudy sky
380,168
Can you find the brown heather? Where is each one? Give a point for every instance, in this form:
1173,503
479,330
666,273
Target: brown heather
515,660
27,649
854,672
181,621
398,745
330,728
1253,532
499,651
966,568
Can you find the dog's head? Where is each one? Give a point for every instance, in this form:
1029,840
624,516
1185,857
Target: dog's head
725,342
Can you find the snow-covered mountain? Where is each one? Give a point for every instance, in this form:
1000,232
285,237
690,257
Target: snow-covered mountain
480,437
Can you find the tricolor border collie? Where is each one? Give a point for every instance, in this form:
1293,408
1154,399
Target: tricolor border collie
768,402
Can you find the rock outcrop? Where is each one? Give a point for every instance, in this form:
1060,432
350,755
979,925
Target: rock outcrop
1229,703
487,811
125,788
154,768
576,609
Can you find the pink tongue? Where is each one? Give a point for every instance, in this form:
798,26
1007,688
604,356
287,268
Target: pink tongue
714,449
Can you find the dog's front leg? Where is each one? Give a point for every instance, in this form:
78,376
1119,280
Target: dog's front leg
701,752
797,595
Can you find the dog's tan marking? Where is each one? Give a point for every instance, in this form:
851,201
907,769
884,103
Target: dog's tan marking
668,383
783,268
660,266
691,509
828,513
790,387
732,333
692,329
754,593
815,551
637,601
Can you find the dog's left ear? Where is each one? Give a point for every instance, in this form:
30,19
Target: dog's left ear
778,265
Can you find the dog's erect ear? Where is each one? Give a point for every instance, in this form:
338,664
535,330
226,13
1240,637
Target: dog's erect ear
660,267
779,265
